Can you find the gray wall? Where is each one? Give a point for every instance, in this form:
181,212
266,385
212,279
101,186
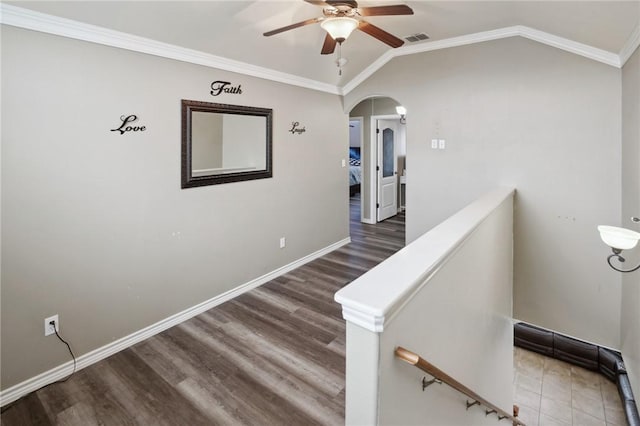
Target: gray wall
518,113
95,227
630,319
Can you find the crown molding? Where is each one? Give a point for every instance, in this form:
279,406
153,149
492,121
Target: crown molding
427,47
41,22
630,46
581,49
36,21
368,71
571,46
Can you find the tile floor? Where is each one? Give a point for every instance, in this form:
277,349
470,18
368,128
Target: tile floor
553,392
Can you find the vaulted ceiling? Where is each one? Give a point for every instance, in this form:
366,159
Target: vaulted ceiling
233,29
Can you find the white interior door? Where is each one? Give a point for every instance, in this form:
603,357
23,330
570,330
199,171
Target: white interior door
387,133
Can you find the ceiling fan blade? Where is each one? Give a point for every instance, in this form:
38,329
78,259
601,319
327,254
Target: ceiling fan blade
317,2
292,26
329,45
380,34
397,9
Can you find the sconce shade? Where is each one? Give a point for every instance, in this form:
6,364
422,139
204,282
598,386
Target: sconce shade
401,110
339,28
618,238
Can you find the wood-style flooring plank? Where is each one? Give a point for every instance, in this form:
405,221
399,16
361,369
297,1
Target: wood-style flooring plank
30,411
272,356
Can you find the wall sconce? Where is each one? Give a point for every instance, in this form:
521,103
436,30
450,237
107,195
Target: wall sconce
619,239
402,112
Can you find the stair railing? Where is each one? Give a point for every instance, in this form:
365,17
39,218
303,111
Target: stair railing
440,376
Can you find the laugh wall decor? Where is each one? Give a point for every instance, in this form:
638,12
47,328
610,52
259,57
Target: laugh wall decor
296,129
126,125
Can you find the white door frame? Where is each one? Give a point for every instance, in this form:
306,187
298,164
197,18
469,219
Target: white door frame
362,151
387,203
372,149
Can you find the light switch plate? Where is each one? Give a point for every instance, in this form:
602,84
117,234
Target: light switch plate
434,143
441,143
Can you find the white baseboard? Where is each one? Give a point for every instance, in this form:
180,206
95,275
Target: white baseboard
21,389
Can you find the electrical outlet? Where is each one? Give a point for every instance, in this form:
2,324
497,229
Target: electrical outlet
48,328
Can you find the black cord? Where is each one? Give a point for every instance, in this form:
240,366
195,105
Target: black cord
6,407
72,356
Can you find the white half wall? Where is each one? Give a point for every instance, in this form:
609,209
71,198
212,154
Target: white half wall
448,298
460,321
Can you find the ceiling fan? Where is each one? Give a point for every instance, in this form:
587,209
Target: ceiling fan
341,17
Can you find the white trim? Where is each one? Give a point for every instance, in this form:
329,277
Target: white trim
360,119
571,46
374,162
36,21
369,71
32,20
372,145
17,391
367,320
518,30
426,47
630,46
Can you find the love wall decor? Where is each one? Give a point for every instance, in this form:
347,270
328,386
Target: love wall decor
126,126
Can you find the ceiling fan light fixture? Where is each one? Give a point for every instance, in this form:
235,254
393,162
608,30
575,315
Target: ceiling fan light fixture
339,28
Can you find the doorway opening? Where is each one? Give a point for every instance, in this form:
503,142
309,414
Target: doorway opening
378,138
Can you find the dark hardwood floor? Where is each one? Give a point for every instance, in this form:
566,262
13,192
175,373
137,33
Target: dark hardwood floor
273,356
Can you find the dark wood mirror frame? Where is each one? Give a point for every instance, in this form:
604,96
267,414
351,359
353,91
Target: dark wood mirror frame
188,180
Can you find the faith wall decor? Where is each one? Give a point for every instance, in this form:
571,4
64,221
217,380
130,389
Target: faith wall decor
125,127
219,86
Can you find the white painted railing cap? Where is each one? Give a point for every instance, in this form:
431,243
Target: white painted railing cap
371,300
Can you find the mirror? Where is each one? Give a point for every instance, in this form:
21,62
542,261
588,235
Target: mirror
224,143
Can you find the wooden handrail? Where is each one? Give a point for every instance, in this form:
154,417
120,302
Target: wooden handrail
438,374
